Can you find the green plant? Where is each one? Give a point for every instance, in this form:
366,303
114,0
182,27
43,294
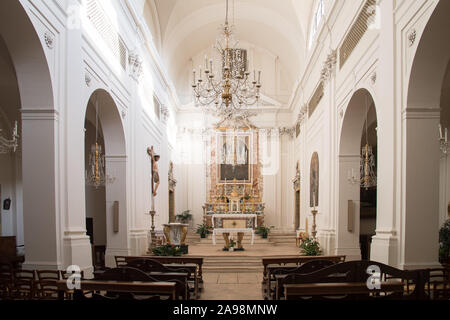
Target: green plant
444,242
264,231
203,230
310,247
167,251
232,243
184,217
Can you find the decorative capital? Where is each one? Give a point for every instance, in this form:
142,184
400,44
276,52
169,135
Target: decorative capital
412,37
135,64
329,66
165,114
49,40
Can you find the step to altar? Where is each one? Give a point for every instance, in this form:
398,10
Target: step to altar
232,264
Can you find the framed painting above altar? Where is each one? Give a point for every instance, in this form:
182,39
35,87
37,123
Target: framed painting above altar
234,157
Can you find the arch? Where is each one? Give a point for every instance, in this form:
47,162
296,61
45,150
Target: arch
28,56
420,144
115,191
351,136
38,131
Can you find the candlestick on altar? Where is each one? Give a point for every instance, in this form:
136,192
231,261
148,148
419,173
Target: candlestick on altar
152,232
314,226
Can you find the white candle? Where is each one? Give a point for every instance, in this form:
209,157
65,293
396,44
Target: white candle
194,76
440,132
446,135
259,77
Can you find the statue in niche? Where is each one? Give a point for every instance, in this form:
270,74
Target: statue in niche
155,172
314,181
234,158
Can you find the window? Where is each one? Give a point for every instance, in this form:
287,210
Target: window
317,19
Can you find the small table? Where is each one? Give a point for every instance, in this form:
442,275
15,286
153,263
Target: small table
233,230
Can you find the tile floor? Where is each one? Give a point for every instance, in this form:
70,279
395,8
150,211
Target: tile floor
232,286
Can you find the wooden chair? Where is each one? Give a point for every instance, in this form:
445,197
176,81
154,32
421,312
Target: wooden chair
24,287
47,289
438,283
64,275
6,280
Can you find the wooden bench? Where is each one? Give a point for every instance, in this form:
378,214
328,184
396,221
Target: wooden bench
274,272
198,261
174,264
344,290
287,262
413,281
167,289
134,274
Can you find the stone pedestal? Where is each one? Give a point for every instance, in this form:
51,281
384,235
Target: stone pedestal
176,233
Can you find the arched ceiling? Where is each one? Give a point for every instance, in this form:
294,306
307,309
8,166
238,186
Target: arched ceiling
189,27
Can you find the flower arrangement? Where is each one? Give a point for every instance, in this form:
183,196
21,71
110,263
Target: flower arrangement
167,251
310,247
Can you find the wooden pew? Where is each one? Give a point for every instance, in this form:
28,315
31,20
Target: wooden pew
167,289
345,290
192,265
412,281
198,261
135,274
273,272
283,262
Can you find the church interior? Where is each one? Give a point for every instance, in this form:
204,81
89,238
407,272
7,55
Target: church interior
199,149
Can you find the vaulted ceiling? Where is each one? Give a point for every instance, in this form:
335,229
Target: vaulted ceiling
183,29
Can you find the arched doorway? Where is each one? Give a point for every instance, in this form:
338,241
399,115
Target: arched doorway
357,203
106,203
422,114
28,97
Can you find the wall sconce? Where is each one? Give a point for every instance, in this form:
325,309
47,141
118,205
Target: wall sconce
352,178
443,139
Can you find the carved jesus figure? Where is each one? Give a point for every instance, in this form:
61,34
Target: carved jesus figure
155,172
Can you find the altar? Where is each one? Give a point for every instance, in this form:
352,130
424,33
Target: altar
234,202
238,224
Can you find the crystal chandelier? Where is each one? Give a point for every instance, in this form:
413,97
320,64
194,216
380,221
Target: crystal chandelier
95,174
227,93
6,145
368,166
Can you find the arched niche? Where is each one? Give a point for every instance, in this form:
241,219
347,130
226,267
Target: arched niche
420,181
38,130
115,190
352,139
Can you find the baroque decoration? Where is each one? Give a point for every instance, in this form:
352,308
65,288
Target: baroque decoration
368,170
9,145
227,94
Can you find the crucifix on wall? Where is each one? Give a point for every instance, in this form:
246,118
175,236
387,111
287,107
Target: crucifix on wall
155,173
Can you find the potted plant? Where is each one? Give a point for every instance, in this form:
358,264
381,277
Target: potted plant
310,247
264,231
232,245
184,217
444,243
203,230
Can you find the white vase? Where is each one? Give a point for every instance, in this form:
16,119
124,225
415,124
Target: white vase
231,249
